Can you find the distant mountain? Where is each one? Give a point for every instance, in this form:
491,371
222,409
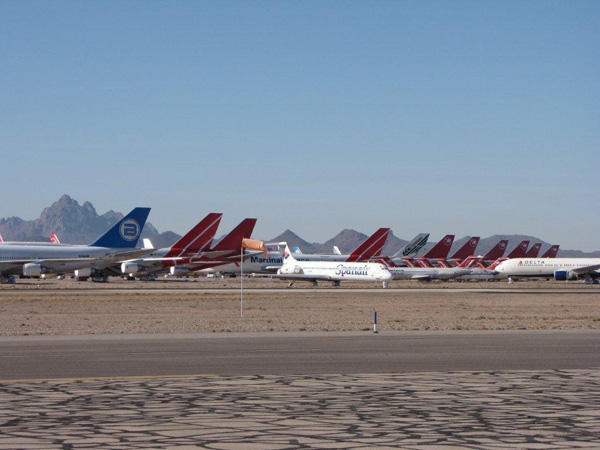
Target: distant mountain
294,240
72,222
81,224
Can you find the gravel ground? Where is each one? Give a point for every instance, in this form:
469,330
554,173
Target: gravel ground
568,306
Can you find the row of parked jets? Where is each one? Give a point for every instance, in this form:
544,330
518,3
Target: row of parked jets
116,253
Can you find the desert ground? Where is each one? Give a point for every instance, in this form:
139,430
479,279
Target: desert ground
64,307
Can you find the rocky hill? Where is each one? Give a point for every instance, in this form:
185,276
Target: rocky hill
81,224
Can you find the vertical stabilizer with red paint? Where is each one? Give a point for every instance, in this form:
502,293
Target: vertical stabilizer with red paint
494,254
551,252
468,249
233,241
534,251
519,251
438,252
1,240
198,238
371,248
54,239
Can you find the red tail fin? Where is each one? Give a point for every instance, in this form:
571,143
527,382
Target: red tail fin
197,238
54,239
534,251
496,252
1,240
552,251
371,247
441,249
466,250
233,241
519,251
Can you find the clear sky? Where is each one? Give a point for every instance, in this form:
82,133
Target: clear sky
465,117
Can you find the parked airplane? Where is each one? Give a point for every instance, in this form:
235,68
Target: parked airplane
193,244
258,263
439,252
558,268
228,251
429,273
117,244
335,271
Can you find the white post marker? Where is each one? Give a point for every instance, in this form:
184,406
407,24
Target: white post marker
375,322
242,281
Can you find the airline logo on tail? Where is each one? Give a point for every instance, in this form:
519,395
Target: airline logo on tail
130,229
413,248
54,239
448,242
473,242
502,245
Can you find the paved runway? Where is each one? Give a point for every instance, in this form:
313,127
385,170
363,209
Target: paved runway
299,353
327,291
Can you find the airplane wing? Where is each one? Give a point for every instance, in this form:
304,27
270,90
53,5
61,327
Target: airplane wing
192,255
50,263
586,269
301,276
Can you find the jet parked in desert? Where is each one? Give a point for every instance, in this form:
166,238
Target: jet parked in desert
117,244
193,244
334,271
558,268
439,252
257,262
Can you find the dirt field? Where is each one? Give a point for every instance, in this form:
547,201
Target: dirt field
33,308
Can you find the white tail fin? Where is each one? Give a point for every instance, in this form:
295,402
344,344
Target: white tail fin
148,243
336,250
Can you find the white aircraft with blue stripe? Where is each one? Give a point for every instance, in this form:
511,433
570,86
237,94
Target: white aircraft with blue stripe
117,244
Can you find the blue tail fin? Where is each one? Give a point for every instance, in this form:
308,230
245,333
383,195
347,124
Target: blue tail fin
126,232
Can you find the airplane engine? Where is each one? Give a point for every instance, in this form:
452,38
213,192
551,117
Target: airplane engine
298,269
564,275
33,269
83,273
179,271
130,268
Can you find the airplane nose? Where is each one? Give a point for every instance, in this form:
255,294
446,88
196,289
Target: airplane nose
386,275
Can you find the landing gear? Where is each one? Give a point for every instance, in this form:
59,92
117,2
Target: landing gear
8,280
336,283
385,284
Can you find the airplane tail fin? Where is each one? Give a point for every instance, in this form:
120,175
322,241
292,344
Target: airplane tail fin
371,247
519,251
551,252
126,232
497,251
54,239
534,251
413,247
441,249
468,249
336,250
197,238
233,241
1,240
297,250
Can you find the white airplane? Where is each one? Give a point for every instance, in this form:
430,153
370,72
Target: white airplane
429,273
562,269
293,270
117,244
258,263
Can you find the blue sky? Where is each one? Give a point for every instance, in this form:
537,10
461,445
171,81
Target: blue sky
466,117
